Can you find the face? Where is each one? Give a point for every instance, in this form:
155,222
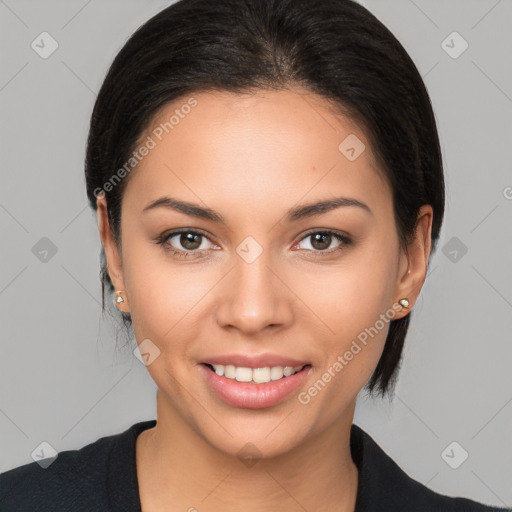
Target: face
250,277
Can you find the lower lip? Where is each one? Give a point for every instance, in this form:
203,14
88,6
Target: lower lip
254,396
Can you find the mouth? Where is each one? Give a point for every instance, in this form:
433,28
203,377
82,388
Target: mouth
254,388
261,375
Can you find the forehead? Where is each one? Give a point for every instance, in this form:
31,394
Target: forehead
261,147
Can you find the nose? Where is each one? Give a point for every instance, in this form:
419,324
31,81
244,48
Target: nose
255,297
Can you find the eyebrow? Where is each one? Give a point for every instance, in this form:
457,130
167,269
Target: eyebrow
292,215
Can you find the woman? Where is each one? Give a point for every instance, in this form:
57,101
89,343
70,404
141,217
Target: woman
269,188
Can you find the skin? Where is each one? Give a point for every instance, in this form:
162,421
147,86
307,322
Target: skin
251,158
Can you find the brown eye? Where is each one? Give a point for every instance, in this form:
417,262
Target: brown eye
190,241
321,241
186,243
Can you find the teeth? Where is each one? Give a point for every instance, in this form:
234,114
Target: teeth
256,375
229,371
243,374
276,372
261,375
287,371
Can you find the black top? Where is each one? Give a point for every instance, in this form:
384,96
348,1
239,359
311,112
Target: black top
102,477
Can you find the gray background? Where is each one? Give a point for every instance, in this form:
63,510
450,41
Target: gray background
62,379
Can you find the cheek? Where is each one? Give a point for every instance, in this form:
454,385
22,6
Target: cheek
164,295
348,351
354,302
351,296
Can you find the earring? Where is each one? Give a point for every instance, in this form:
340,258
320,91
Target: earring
118,299
404,303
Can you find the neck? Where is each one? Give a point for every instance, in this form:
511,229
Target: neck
179,468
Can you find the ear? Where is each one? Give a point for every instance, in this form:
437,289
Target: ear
413,263
112,254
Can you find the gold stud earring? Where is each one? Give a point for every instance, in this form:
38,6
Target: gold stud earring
404,303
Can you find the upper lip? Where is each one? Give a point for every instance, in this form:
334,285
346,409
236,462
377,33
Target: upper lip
256,361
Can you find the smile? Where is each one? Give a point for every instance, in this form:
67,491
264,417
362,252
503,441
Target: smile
254,388
254,375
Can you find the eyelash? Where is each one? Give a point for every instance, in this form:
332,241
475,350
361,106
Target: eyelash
163,241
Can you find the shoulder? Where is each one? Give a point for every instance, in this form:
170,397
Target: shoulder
384,486
65,481
66,484
76,480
